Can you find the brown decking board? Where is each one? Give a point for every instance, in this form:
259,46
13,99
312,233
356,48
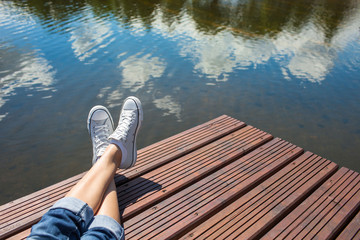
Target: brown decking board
251,215
219,180
325,212
190,206
352,230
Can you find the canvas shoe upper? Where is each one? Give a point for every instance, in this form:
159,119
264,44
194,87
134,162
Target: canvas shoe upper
125,134
100,125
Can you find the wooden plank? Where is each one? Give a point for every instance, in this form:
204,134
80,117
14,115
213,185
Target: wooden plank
154,186
21,235
24,212
253,214
189,207
352,230
357,236
325,212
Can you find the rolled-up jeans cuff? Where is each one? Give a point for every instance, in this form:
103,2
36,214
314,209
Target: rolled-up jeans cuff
78,207
103,221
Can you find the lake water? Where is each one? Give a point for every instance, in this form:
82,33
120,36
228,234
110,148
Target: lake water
290,68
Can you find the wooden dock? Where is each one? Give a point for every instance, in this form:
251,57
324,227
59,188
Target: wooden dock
220,180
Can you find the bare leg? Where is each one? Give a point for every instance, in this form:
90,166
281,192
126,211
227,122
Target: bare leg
92,187
110,205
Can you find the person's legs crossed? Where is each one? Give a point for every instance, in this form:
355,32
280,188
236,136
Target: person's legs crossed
71,216
91,188
96,191
107,219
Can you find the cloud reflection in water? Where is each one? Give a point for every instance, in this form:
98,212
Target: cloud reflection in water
169,106
90,36
304,54
137,70
34,73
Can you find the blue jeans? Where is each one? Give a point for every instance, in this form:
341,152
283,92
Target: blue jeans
71,218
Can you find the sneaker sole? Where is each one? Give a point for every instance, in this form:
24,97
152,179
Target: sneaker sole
141,117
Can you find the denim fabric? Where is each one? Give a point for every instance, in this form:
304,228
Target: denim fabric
96,229
71,218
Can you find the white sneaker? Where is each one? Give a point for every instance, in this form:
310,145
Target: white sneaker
124,135
100,125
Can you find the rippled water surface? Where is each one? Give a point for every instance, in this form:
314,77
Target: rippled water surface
290,68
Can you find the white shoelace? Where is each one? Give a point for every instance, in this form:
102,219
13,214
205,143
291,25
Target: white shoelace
126,120
101,138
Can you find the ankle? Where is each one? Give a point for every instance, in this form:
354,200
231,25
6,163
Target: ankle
121,147
116,153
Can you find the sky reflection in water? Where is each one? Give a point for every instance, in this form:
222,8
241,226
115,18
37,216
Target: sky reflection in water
290,68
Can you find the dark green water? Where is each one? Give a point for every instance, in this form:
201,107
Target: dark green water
290,68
